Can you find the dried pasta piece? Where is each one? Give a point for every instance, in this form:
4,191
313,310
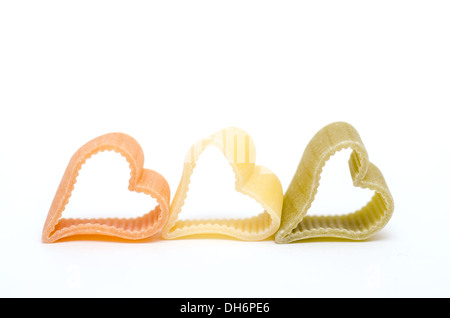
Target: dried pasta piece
257,182
297,225
141,180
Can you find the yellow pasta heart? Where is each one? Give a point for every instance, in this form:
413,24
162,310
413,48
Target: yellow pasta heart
255,181
359,225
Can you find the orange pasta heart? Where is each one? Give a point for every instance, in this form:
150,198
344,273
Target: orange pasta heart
142,180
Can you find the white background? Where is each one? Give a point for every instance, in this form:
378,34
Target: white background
169,73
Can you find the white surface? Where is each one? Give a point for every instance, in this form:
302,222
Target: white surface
170,73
